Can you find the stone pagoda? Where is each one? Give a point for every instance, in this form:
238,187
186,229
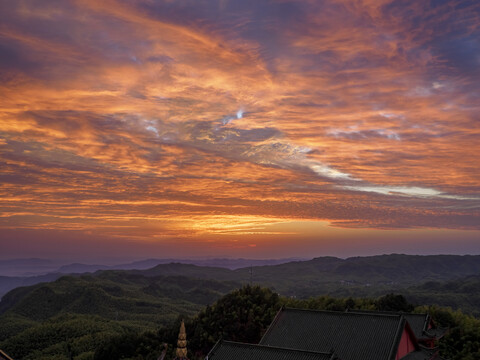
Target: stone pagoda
181,353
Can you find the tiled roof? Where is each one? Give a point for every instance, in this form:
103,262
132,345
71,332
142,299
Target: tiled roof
353,336
418,323
424,354
226,350
436,333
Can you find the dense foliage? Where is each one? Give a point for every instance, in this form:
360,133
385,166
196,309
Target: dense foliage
242,315
459,294
69,336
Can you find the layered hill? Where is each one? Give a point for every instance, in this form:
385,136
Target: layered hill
85,310
25,272
337,276
324,275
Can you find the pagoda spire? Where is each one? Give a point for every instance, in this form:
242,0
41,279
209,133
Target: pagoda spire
181,353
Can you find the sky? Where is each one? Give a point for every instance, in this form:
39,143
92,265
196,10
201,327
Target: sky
259,129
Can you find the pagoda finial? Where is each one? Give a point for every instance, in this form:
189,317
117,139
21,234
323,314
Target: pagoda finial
181,353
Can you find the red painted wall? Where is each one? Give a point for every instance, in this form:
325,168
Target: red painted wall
406,345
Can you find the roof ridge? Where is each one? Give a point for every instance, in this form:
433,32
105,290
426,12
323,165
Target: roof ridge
387,312
274,321
279,348
344,313
397,338
212,350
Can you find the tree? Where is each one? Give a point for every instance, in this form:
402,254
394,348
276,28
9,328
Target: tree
392,302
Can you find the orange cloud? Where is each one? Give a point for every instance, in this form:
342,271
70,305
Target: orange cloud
153,120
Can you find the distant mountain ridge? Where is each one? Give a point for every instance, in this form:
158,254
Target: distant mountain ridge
299,278
27,267
378,270
36,266
9,283
149,263
25,272
330,275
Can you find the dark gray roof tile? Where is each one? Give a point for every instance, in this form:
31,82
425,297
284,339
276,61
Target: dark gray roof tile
353,336
424,354
418,323
226,350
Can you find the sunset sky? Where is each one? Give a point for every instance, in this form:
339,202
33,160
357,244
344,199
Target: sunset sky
261,129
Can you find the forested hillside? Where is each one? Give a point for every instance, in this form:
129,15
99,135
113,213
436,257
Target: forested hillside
78,316
356,276
385,272
74,314
140,330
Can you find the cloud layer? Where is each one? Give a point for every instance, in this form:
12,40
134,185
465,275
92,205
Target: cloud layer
154,120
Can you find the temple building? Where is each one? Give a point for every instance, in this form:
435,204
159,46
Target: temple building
181,352
351,335
424,328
